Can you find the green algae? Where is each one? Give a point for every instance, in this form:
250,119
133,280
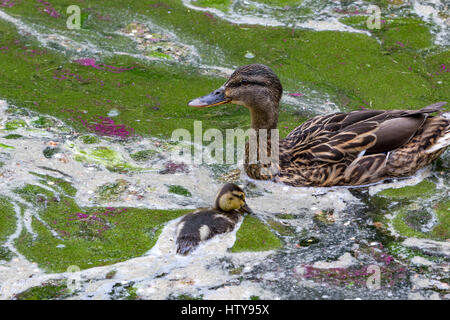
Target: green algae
176,189
423,188
89,237
396,34
218,4
405,253
383,3
49,152
144,155
112,191
132,293
405,34
89,139
15,124
43,122
7,226
353,70
280,228
237,270
161,121
254,235
408,223
110,159
442,230
188,297
12,136
280,3
342,68
125,291
325,217
104,153
53,290
286,216
6,254
65,186
161,55
5,146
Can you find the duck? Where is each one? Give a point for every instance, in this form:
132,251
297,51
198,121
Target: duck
204,224
356,148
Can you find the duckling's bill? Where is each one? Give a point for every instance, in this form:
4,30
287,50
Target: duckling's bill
215,98
245,209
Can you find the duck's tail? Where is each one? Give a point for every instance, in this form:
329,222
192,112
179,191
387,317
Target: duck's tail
444,141
435,107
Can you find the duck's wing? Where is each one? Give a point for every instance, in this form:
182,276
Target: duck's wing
331,122
345,136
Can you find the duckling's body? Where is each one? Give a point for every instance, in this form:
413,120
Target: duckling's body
204,224
355,148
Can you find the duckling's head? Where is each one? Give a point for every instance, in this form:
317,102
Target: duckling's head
231,198
254,86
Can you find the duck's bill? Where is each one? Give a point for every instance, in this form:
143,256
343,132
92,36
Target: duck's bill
215,98
246,209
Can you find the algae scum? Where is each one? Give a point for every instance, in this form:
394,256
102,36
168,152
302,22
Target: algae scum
90,195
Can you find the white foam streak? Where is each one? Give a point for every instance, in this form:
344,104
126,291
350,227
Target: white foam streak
267,20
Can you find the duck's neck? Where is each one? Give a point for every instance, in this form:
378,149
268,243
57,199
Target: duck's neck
232,215
266,166
264,118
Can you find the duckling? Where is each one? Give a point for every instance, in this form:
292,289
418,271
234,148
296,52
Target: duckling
203,224
355,148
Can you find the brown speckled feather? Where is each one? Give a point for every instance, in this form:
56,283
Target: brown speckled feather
359,147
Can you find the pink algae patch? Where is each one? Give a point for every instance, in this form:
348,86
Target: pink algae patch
172,167
95,220
7,3
107,127
102,126
89,62
22,48
48,9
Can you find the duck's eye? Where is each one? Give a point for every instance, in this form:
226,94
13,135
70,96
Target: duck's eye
244,82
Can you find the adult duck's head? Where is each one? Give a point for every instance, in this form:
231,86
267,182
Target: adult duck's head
254,86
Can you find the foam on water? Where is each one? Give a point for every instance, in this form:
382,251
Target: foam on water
429,11
157,275
325,15
313,103
161,273
250,12
270,198
48,40
62,41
